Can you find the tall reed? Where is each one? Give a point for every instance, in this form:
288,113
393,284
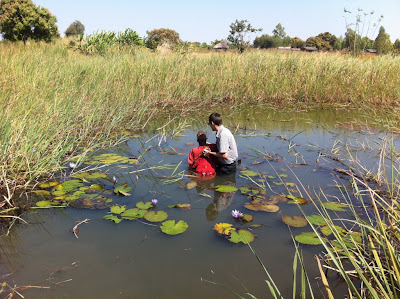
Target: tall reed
56,102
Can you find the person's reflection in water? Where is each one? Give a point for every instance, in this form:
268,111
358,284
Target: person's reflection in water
222,200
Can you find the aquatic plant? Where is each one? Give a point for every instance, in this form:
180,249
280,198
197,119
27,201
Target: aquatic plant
236,214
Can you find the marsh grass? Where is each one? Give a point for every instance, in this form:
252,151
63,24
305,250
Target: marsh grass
368,264
56,103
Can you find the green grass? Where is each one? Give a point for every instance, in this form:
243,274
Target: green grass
56,102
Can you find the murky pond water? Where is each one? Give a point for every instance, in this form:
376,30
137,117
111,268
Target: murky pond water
135,259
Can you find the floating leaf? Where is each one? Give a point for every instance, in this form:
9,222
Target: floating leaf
283,175
156,216
41,192
316,220
271,177
205,195
277,197
223,228
70,185
290,184
256,225
144,206
117,209
278,183
309,238
257,162
334,206
43,204
282,169
349,241
191,185
258,206
189,143
297,200
96,186
241,235
180,206
47,185
295,221
170,228
244,190
132,214
327,231
225,188
113,218
249,173
247,217
123,190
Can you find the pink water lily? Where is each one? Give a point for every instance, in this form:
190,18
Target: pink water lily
236,214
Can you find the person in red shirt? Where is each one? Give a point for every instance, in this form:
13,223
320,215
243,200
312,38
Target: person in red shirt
199,159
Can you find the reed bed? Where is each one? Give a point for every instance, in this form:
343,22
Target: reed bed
57,102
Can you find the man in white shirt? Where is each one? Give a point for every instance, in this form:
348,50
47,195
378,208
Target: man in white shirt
227,150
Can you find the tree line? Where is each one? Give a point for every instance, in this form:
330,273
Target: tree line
22,20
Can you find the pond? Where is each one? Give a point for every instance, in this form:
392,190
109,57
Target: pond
297,153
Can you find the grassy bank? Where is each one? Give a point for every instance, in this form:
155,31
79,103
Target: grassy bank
56,102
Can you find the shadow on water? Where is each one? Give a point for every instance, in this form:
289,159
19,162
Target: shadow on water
289,152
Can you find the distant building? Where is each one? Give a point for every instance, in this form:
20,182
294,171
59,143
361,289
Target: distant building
372,51
309,49
221,47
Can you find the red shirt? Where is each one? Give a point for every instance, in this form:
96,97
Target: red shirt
204,166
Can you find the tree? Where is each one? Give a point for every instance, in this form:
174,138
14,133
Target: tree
319,43
396,44
266,41
238,32
76,28
297,42
160,36
22,19
382,42
329,38
279,31
358,29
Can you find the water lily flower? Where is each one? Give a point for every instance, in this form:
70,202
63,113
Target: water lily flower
154,201
114,179
236,214
72,165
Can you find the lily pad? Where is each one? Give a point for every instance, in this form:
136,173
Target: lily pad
90,175
334,206
225,188
191,185
309,238
249,173
295,221
247,217
296,200
241,235
144,206
244,190
170,228
316,220
290,184
132,214
327,231
278,183
180,206
224,228
70,185
43,204
117,209
156,216
123,190
113,218
41,192
49,184
254,206
350,240
283,175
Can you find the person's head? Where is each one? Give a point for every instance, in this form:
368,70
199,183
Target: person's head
215,120
202,138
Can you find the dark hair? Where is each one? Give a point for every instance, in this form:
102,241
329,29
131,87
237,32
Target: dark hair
202,138
216,118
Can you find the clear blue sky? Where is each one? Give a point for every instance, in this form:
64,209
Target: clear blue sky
207,20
